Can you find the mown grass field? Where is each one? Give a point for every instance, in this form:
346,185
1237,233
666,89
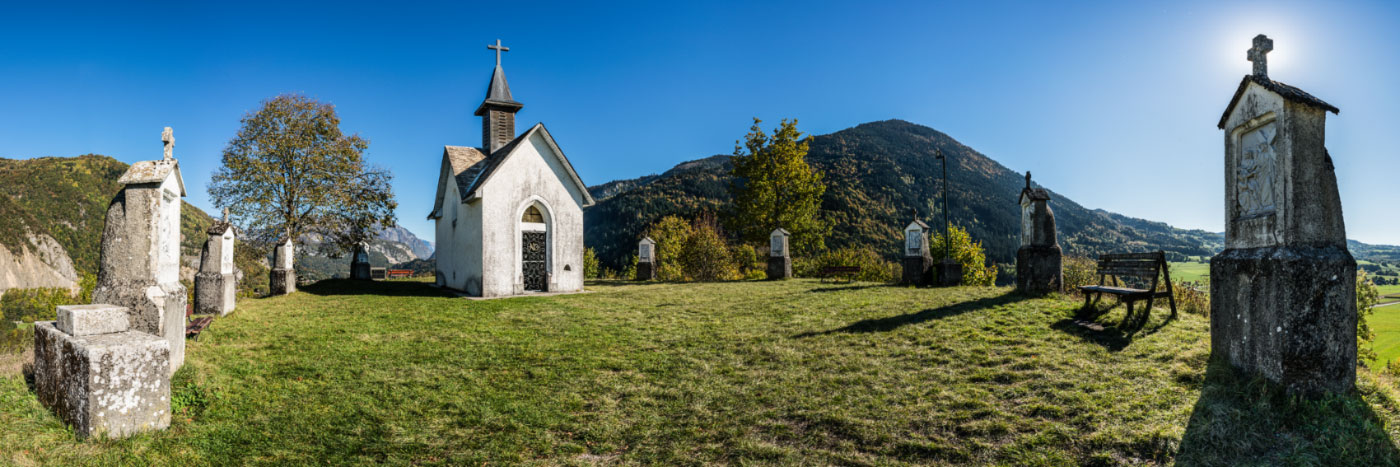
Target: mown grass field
1190,271
794,372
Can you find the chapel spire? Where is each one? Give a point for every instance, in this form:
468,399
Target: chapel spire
497,112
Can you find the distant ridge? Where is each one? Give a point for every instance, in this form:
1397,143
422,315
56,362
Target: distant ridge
875,173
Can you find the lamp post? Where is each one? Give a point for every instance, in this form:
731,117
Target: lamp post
949,270
947,226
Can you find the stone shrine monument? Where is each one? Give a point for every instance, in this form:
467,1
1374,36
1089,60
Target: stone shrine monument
283,278
359,264
100,376
1283,293
918,260
646,259
139,265
779,258
1038,263
216,285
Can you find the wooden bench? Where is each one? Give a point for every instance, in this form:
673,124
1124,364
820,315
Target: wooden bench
842,271
1147,266
400,273
194,326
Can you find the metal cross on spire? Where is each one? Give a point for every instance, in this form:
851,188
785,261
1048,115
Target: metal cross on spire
168,137
1262,46
498,48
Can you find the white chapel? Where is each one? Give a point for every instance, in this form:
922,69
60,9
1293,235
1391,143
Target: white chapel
509,214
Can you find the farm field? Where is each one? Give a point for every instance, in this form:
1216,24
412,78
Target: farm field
793,372
1190,271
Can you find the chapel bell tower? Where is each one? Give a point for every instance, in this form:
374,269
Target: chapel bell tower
497,112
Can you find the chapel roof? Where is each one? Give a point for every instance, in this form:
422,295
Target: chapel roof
917,222
1288,92
153,172
472,168
488,168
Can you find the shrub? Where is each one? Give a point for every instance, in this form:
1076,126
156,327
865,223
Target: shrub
746,257
967,252
671,234
705,257
1191,298
29,305
591,269
873,268
13,339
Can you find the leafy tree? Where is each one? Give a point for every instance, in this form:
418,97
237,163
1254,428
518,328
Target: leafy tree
290,172
774,187
1366,297
966,252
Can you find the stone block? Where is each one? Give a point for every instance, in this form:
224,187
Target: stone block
779,267
360,271
108,385
918,271
949,273
1288,314
157,309
646,271
87,320
282,281
215,293
1039,269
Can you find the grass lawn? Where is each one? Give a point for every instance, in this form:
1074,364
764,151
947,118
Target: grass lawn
793,372
1190,271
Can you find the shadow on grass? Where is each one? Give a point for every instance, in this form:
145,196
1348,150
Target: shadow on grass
845,288
1089,325
894,322
1243,420
384,288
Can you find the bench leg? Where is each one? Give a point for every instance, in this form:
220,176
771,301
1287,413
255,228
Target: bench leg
1148,310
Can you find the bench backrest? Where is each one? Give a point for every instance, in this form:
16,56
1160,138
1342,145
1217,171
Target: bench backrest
1144,265
841,269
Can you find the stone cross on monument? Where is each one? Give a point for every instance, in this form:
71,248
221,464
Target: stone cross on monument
225,214
499,48
1028,179
1257,54
168,137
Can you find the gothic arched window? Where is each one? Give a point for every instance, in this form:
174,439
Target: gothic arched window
532,214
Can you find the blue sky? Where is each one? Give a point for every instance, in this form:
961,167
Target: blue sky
1112,104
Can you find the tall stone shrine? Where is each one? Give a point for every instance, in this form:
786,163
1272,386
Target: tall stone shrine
216,284
1038,261
1283,293
139,262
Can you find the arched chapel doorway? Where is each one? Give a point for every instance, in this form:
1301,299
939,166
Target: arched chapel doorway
534,249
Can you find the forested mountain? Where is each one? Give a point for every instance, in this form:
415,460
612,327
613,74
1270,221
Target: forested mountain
876,173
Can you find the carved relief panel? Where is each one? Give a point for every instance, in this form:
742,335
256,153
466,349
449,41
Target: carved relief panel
1255,172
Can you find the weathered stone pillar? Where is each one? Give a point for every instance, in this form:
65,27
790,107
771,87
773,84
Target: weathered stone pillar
1038,261
646,259
918,260
359,264
1283,293
98,375
779,258
283,277
139,265
949,272
216,286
